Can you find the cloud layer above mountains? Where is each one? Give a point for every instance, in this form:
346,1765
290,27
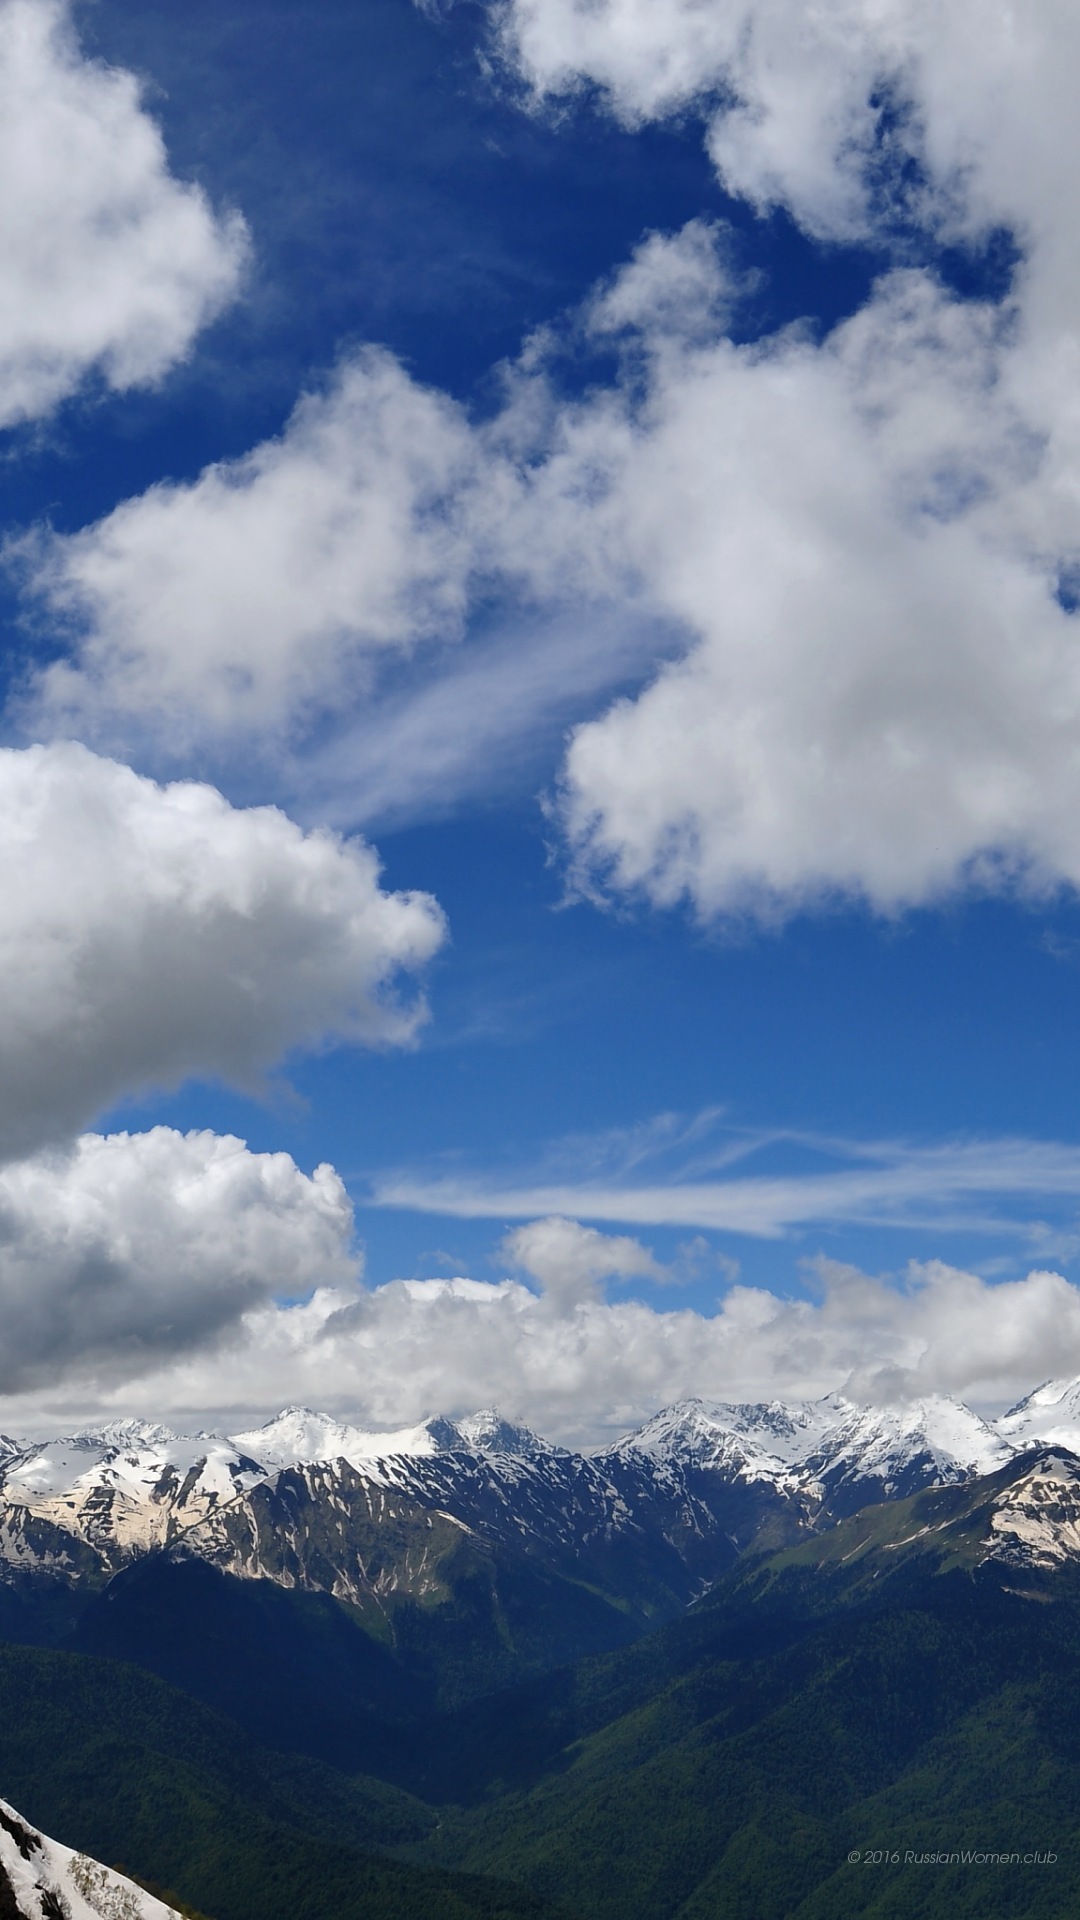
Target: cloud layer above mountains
578,1369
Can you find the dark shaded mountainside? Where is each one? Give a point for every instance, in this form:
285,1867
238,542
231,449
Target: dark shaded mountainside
476,1682
907,1685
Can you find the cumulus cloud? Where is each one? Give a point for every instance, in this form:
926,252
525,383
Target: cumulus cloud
864,539
580,1375
824,109
864,549
276,580
675,286
149,933
118,1251
859,542
881,688
107,263
570,1260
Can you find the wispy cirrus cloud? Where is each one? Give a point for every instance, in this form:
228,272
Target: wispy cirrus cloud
682,1176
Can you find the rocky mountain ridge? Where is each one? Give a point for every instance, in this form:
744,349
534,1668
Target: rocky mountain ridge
311,1502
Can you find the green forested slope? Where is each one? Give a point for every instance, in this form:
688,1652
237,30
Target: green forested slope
113,1762
944,1717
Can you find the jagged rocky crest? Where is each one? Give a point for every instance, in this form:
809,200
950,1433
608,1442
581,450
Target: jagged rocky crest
312,1503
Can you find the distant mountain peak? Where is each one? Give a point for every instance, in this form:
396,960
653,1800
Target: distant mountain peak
1035,1518
131,1433
832,1448
1046,1395
300,1436
488,1432
1051,1412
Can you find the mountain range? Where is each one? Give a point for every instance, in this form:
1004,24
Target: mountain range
901,1687
375,1519
457,1673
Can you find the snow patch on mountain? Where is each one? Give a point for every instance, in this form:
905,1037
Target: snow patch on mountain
818,1446
1051,1414
42,1880
298,1436
1036,1520
121,1499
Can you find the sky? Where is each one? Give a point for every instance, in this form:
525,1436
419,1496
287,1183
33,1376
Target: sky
540,746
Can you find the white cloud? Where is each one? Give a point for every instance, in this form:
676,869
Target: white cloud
149,933
570,1260
107,262
863,539
275,581
676,285
585,1372
994,1187
881,688
859,542
817,108
120,1250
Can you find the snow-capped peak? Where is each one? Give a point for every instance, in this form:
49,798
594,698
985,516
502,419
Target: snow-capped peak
705,1433
824,1443
298,1436
878,1440
1051,1413
39,1878
128,1434
488,1432
123,1499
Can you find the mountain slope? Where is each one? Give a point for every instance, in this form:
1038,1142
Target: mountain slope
923,1697
42,1880
473,1556
741,1787
129,1769
648,1523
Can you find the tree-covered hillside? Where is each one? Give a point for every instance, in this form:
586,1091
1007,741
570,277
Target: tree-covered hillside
729,1768
133,1772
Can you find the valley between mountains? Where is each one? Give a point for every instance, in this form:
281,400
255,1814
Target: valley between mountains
459,1670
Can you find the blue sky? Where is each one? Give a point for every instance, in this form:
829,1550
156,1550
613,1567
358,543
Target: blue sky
624,472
